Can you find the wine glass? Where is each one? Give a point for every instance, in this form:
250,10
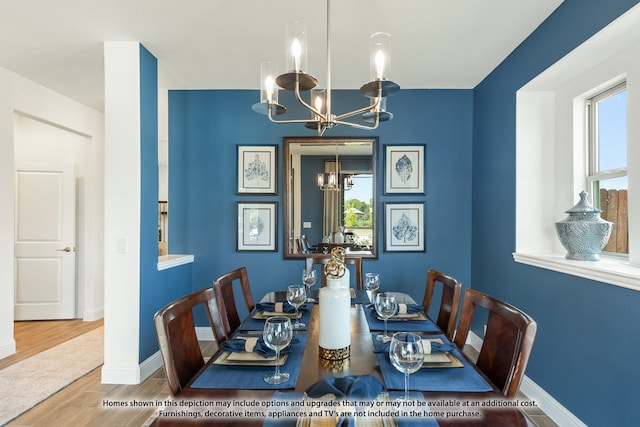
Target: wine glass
372,284
297,295
407,356
309,278
386,307
277,335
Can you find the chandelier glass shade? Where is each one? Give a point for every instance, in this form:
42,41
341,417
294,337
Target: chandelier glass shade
318,102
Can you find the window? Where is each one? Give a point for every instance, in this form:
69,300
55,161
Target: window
552,134
607,174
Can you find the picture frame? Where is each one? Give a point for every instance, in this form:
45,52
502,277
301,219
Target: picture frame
404,169
404,227
257,173
257,223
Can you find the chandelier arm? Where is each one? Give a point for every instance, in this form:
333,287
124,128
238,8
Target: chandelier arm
358,125
308,107
361,110
288,120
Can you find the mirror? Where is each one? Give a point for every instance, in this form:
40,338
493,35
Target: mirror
342,212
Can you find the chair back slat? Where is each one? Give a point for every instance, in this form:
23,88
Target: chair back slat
226,299
449,303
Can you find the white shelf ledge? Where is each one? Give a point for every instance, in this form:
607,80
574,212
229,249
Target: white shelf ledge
169,261
610,270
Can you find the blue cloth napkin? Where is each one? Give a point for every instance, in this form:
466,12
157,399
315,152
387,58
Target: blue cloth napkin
238,345
352,387
271,306
436,347
356,387
410,308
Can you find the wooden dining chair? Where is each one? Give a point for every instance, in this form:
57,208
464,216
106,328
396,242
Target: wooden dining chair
449,303
175,329
357,261
226,300
507,342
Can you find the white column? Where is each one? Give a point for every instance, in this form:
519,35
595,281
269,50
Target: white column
122,213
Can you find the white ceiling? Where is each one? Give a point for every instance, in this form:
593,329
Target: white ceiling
219,44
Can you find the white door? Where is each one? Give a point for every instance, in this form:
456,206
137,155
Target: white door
45,243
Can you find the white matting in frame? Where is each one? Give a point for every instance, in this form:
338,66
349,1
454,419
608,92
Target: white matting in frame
257,226
404,169
404,227
257,169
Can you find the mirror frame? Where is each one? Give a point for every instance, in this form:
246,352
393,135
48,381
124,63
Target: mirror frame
288,242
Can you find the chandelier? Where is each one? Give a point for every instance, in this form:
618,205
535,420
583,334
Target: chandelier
330,181
297,80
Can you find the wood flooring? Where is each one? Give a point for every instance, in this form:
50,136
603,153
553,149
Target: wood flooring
82,403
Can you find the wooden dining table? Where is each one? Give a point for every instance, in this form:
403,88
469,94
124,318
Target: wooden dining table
488,408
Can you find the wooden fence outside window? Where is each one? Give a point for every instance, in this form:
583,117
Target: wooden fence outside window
614,208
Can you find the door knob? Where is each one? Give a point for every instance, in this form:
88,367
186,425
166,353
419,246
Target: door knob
67,249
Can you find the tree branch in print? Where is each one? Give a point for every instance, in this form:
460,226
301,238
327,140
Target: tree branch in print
404,229
404,168
257,170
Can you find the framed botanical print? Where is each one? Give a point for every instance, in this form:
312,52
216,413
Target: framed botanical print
257,223
404,227
404,169
257,172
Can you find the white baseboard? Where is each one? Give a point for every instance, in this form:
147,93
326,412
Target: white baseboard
148,366
91,315
120,375
551,407
8,349
554,410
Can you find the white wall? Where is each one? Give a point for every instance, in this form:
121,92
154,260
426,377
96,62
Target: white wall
27,98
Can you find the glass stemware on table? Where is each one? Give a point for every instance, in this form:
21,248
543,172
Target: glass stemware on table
372,284
309,278
277,334
296,296
386,306
407,356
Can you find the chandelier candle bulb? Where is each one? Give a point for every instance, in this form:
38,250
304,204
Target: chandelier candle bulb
296,45
334,306
269,90
379,56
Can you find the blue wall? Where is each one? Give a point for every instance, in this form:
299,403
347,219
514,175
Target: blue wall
206,126
595,381
157,288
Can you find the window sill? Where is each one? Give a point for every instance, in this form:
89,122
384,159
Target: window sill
170,261
613,271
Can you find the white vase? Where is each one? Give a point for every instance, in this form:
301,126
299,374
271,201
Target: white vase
335,329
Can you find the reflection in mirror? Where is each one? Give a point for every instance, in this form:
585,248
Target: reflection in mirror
163,196
329,202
